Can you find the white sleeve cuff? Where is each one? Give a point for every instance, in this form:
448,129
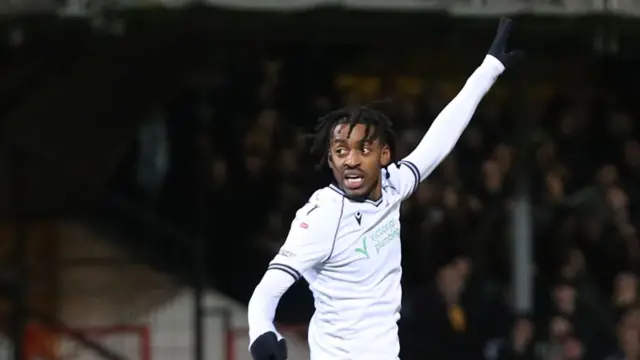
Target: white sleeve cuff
493,64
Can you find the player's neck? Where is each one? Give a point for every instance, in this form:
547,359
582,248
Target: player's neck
376,193
374,196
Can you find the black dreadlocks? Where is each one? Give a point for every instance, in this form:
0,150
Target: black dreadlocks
378,126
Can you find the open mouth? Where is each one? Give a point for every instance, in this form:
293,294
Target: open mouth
353,182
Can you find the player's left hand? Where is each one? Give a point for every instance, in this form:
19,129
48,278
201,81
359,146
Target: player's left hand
268,347
499,49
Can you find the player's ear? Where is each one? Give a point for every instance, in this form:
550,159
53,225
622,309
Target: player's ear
385,156
329,162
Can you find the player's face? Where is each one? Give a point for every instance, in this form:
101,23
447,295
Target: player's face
356,163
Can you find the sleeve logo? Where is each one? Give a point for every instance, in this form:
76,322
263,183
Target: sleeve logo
304,225
286,253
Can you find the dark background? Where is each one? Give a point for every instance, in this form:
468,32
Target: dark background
179,135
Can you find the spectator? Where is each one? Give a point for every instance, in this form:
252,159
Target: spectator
519,346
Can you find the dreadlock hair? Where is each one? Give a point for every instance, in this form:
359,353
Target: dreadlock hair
378,126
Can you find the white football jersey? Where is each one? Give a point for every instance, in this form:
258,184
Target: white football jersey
349,253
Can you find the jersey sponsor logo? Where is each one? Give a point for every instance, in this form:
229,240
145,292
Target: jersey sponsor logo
363,249
380,237
358,216
304,225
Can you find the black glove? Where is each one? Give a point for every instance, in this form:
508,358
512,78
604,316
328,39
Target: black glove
499,47
267,347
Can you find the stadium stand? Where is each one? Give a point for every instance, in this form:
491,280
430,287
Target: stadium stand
582,153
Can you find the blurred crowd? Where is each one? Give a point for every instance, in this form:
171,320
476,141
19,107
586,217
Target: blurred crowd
578,153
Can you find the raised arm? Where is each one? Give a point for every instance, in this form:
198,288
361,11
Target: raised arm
454,118
446,129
